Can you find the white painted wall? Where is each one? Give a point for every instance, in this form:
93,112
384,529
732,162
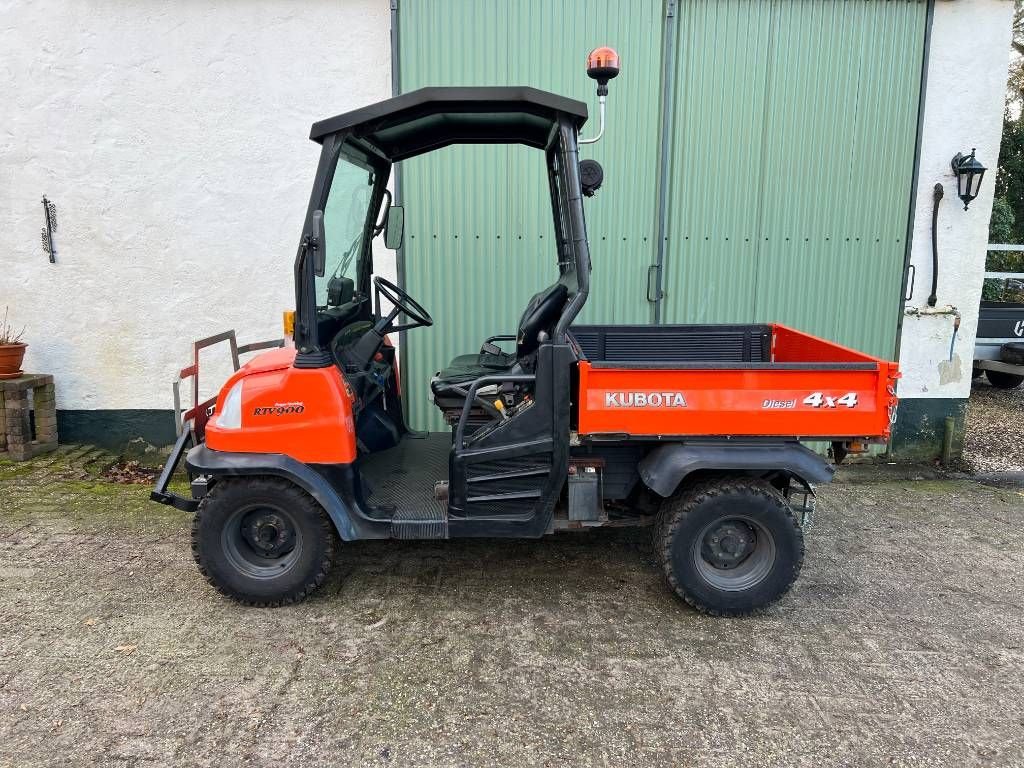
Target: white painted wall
172,137
963,109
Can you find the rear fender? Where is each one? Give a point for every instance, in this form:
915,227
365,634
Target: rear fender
664,468
337,498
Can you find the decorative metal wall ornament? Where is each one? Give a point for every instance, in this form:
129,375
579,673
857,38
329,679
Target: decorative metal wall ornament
50,216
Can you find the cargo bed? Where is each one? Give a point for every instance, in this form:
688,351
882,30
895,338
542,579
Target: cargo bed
729,380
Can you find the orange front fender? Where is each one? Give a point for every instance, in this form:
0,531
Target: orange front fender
303,413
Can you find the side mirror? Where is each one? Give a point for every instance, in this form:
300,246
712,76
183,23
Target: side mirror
379,226
319,244
394,230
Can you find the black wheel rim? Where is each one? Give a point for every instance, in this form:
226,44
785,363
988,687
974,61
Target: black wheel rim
734,553
262,541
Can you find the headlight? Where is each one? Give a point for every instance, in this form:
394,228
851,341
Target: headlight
231,416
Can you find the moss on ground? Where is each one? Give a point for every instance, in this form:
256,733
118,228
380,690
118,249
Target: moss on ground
10,470
69,485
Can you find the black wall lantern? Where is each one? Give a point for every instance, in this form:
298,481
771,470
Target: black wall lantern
969,173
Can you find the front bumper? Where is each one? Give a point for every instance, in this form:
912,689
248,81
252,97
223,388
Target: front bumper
191,422
160,492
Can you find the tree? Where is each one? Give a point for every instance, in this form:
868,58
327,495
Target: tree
1010,184
1015,82
1007,223
1000,230
1000,227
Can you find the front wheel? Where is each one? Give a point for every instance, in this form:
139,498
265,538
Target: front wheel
729,546
262,541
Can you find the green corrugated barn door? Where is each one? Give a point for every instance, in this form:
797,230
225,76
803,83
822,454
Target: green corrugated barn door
792,159
478,219
791,156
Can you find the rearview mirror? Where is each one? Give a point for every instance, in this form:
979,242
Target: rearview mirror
394,230
318,244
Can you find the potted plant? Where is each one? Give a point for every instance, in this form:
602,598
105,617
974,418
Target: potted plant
12,350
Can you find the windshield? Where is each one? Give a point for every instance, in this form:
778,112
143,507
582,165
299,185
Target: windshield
344,227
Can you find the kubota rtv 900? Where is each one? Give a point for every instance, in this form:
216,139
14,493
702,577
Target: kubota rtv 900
691,429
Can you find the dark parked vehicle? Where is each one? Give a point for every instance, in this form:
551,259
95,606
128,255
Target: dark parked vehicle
999,348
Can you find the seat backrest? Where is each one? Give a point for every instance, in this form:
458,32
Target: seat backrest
541,314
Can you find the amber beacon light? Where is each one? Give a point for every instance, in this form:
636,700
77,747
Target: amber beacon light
602,66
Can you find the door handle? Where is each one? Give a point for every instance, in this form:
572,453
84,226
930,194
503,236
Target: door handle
654,294
911,275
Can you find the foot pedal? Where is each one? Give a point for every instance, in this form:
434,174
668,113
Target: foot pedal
420,524
441,490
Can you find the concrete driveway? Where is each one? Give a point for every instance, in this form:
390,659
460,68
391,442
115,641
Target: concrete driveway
902,644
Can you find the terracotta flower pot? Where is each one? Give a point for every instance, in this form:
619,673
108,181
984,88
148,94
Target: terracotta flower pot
11,356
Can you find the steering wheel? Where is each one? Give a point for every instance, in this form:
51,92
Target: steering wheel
403,304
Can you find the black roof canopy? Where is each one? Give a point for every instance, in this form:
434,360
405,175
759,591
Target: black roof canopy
431,118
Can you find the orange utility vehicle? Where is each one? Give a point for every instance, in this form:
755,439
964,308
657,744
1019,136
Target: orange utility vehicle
695,430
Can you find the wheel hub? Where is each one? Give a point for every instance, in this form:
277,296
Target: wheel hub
728,544
268,533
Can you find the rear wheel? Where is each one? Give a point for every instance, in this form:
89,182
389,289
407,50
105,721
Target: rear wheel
1012,353
1002,380
262,541
729,546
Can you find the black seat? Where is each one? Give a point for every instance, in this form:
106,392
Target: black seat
465,368
542,312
